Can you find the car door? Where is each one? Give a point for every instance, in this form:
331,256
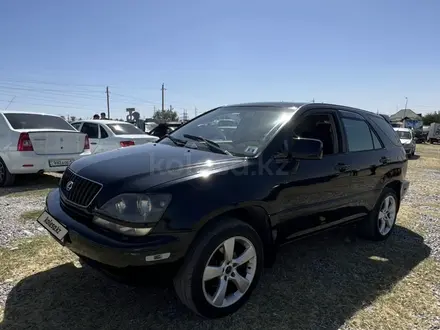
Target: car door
363,158
314,193
92,130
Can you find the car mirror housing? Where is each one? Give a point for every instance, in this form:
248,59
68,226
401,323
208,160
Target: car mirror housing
304,148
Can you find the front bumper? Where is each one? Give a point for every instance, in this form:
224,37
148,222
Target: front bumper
410,149
91,244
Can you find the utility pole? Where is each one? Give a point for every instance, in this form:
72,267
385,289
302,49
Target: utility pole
406,105
163,97
108,103
195,112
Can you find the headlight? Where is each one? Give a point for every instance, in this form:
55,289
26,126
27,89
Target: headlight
132,211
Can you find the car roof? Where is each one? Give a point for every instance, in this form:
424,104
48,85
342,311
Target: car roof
403,129
100,121
27,113
297,105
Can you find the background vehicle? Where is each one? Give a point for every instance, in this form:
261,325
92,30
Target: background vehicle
35,143
434,133
106,135
214,208
407,139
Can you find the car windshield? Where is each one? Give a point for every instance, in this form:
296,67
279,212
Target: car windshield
37,121
404,135
122,129
255,126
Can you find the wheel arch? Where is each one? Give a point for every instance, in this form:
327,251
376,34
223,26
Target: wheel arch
254,215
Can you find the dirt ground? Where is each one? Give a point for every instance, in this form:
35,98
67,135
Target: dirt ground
331,281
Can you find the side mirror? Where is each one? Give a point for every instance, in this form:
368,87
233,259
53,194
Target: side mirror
303,148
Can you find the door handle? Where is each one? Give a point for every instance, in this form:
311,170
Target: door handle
341,167
384,160
93,143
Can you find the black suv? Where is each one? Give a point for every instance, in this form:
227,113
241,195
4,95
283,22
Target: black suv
214,208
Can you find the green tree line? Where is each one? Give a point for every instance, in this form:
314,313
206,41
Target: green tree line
433,117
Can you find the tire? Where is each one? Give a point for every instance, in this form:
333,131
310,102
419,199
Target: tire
208,249
371,226
6,178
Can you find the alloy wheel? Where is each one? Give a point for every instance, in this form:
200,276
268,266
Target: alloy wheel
387,215
229,272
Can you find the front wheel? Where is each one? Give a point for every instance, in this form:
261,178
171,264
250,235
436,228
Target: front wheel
221,269
379,224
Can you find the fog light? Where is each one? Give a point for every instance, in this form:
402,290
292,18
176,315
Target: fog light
129,231
157,257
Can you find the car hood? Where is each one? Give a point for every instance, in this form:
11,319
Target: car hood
144,166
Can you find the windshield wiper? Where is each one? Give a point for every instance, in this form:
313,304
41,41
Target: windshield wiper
177,142
211,144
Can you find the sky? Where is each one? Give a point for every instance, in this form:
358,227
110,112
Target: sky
59,56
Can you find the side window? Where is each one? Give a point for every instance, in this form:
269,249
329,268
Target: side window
103,132
90,129
320,127
376,142
76,125
386,128
358,135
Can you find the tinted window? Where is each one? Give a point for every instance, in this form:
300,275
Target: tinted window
376,141
90,129
386,128
120,129
36,121
103,132
358,135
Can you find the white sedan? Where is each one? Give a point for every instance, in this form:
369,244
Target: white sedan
106,135
36,142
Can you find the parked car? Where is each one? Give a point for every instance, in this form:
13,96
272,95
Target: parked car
214,211
33,143
149,126
407,139
106,135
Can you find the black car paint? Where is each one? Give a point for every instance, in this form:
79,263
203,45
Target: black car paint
309,195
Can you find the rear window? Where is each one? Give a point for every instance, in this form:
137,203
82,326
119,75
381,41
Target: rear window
36,121
386,128
122,129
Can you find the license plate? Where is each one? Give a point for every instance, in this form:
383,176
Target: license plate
51,225
60,162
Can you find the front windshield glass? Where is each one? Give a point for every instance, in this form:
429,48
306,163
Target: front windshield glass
254,127
405,135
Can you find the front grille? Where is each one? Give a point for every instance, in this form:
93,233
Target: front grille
78,190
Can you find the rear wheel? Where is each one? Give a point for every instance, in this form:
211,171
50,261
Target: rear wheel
6,178
379,224
221,270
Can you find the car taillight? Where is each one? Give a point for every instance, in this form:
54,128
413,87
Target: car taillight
126,143
24,143
86,143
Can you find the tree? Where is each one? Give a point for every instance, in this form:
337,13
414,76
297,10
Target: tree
433,117
72,118
166,115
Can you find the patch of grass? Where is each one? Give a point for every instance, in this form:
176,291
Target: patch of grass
31,215
32,193
31,256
